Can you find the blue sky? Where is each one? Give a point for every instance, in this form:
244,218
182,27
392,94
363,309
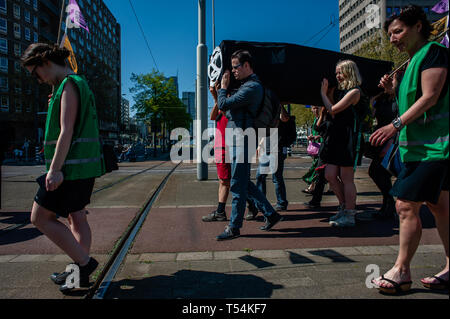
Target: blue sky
171,27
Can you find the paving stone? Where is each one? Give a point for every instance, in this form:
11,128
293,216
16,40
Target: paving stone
7,258
30,258
155,257
195,256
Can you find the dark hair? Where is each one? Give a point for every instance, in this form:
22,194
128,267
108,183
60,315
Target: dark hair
243,56
38,53
410,15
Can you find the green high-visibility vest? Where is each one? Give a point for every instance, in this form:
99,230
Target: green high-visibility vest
84,159
427,138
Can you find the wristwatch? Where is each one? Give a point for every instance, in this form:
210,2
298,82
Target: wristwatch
397,122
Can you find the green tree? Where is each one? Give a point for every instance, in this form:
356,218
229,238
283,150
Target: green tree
378,47
303,116
156,101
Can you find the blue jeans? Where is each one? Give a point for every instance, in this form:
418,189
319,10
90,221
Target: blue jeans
242,187
278,181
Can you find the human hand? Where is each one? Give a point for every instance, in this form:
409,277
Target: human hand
53,180
225,80
382,135
49,98
213,91
387,83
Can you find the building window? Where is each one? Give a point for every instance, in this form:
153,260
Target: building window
18,105
3,26
3,6
35,5
16,9
4,64
4,84
35,22
17,66
27,15
35,37
27,34
17,50
4,103
3,45
17,30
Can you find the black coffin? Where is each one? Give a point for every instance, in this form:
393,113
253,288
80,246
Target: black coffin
295,72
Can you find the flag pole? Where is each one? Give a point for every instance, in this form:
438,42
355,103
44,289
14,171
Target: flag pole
63,2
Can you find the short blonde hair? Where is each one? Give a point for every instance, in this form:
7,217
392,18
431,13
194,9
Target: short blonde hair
350,71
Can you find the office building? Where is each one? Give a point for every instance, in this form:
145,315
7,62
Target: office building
23,102
356,25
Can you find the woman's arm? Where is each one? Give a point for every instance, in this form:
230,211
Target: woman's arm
214,112
68,116
351,98
432,82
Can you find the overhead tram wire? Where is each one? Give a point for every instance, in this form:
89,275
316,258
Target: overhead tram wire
330,25
143,34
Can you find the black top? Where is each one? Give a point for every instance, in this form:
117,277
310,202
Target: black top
437,57
386,110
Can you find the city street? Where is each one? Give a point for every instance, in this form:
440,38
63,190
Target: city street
175,254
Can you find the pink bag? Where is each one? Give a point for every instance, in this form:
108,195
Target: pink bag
313,149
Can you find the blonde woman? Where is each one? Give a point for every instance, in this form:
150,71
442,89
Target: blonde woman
339,152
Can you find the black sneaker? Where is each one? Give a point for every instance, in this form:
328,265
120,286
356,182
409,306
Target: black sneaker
59,278
271,221
229,233
312,205
280,208
85,272
252,213
215,216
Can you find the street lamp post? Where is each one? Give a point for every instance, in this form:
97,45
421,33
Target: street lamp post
202,93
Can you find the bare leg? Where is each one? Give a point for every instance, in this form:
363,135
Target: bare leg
410,234
347,177
80,229
332,176
58,233
224,190
441,212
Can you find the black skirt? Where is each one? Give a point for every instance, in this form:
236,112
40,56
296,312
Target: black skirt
422,181
69,197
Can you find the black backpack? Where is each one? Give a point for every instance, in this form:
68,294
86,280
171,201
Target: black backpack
268,114
110,158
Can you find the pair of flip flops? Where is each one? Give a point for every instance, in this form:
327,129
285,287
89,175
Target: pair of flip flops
441,285
406,286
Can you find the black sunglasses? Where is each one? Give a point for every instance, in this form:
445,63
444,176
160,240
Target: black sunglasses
234,67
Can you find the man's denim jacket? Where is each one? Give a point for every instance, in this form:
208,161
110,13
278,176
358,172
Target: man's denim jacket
241,107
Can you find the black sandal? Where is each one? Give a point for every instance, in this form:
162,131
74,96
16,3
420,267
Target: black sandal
442,285
398,287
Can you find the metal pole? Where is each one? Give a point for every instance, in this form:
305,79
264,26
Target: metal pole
63,2
202,90
213,26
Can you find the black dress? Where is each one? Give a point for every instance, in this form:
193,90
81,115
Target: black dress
340,144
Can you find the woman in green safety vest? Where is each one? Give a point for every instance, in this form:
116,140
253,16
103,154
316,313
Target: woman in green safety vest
423,143
73,159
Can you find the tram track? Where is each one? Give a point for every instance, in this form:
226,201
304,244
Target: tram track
120,251
26,221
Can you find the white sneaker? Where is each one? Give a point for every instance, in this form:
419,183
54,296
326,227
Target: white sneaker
339,214
347,220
